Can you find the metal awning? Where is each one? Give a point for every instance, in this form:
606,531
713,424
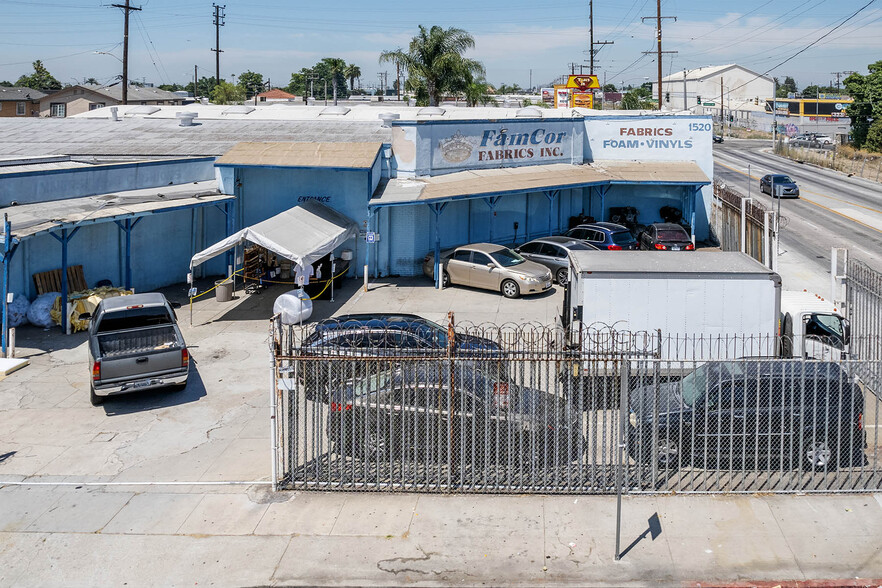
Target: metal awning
324,155
534,178
28,220
62,219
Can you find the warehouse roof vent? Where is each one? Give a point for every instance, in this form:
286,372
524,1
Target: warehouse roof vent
334,110
529,112
239,109
388,117
143,109
431,111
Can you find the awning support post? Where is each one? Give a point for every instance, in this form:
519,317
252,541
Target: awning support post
372,246
696,190
10,244
64,239
437,209
603,190
126,227
491,203
551,195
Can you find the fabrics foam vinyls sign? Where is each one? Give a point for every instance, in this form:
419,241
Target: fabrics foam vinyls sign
663,138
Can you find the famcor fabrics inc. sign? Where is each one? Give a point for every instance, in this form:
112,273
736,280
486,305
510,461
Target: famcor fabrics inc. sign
505,144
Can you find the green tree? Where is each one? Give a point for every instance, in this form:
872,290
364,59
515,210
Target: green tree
227,93
91,81
251,83
6,84
610,88
353,72
203,88
299,84
637,99
435,59
509,89
335,68
174,87
788,87
476,92
813,90
41,79
866,110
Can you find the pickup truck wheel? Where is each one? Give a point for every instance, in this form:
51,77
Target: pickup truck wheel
94,398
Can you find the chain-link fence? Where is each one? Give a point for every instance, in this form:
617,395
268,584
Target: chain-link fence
864,305
399,403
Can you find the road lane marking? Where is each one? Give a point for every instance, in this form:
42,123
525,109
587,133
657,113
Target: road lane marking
818,204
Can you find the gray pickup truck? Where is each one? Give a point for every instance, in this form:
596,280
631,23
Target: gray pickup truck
135,344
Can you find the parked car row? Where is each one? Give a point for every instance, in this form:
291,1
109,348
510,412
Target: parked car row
531,268
721,414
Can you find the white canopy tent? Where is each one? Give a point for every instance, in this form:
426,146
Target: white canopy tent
304,234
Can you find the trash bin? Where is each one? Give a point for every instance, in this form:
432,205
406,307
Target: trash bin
223,290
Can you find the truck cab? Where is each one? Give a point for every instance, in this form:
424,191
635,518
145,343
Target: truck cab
812,328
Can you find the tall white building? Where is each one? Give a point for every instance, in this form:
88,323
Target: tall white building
703,92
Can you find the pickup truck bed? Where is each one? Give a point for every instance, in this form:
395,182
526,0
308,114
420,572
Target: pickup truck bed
116,344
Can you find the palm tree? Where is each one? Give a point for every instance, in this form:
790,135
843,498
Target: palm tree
435,58
336,68
352,72
476,93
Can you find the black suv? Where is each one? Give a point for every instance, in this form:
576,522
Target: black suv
370,335
410,412
800,414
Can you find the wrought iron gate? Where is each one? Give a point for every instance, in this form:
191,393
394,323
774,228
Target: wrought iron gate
411,406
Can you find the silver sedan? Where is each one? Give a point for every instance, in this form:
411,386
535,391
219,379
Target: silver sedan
492,267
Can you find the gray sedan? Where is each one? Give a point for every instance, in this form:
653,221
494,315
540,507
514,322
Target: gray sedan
553,253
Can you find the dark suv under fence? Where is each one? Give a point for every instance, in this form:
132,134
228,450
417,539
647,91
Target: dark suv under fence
789,414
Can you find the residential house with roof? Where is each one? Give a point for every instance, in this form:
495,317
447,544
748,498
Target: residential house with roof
275,95
20,101
83,98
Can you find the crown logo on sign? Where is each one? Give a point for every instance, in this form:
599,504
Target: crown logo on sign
456,149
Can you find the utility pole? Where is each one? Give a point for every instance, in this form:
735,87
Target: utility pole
573,68
195,82
531,80
685,104
722,120
658,17
840,73
125,73
398,80
218,23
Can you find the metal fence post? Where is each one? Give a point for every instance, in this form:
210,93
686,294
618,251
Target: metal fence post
620,466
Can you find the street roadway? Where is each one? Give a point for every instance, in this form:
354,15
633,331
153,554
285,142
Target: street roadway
833,210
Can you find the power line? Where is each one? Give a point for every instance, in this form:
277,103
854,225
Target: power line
809,46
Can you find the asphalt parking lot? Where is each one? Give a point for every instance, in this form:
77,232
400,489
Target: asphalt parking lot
172,488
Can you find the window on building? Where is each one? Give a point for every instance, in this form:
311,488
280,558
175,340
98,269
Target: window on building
58,109
143,103
21,108
96,105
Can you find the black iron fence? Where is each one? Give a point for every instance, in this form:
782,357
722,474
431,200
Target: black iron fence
389,405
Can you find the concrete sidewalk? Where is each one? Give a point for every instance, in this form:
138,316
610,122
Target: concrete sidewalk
237,536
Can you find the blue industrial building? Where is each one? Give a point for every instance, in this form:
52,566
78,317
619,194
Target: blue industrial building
413,180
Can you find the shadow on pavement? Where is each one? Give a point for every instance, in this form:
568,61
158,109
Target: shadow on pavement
153,399
654,531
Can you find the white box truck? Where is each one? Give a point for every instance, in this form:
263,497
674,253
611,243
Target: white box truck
689,306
